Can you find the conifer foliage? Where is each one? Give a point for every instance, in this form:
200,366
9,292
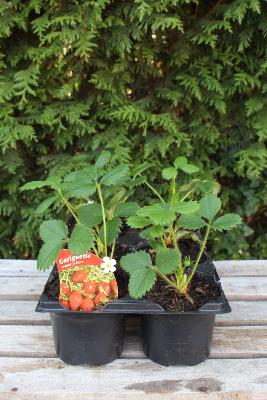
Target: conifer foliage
149,80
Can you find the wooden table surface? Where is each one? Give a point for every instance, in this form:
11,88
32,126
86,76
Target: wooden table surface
236,369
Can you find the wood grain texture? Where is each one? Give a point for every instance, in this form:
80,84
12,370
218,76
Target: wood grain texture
243,313
229,342
34,379
242,267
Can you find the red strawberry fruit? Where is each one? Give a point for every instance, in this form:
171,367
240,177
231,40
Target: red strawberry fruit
79,276
87,305
90,287
100,299
64,303
104,287
65,289
114,287
75,300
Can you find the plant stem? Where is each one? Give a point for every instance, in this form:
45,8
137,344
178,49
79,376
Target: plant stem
187,194
154,191
69,207
165,278
174,238
199,254
104,217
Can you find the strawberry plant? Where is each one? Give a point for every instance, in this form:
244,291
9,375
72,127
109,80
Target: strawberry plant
165,223
102,202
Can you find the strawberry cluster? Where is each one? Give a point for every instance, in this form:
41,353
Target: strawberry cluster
79,292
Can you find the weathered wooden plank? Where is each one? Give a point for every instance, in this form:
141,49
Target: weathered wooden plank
132,380
20,268
245,288
229,342
225,268
236,288
243,313
21,312
242,267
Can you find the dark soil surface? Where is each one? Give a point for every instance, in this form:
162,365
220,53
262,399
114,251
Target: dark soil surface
203,288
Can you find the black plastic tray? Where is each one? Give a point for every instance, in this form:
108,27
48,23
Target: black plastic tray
126,305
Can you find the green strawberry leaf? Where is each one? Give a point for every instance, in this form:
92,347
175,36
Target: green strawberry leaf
169,173
137,261
138,222
82,188
191,221
90,214
113,230
185,207
159,213
53,229
180,161
226,222
126,209
210,205
52,181
103,159
86,174
81,239
115,176
141,282
153,232
189,168
45,204
48,253
167,260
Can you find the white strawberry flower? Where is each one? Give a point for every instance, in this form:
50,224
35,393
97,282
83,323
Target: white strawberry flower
108,265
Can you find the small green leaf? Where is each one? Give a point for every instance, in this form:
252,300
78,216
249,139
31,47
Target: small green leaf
159,213
126,209
103,159
167,260
140,168
189,168
185,207
113,230
45,204
210,205
135,261
191,221
153,232
83,188
81,239
180,161
48,253
115,176
226,222
53,229
138,222
52,181
90,214
86,174
141,282
169,173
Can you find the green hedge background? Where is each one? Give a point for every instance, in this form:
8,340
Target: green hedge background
147,80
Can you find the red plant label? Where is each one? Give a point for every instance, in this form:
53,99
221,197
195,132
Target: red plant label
87,282
67,260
